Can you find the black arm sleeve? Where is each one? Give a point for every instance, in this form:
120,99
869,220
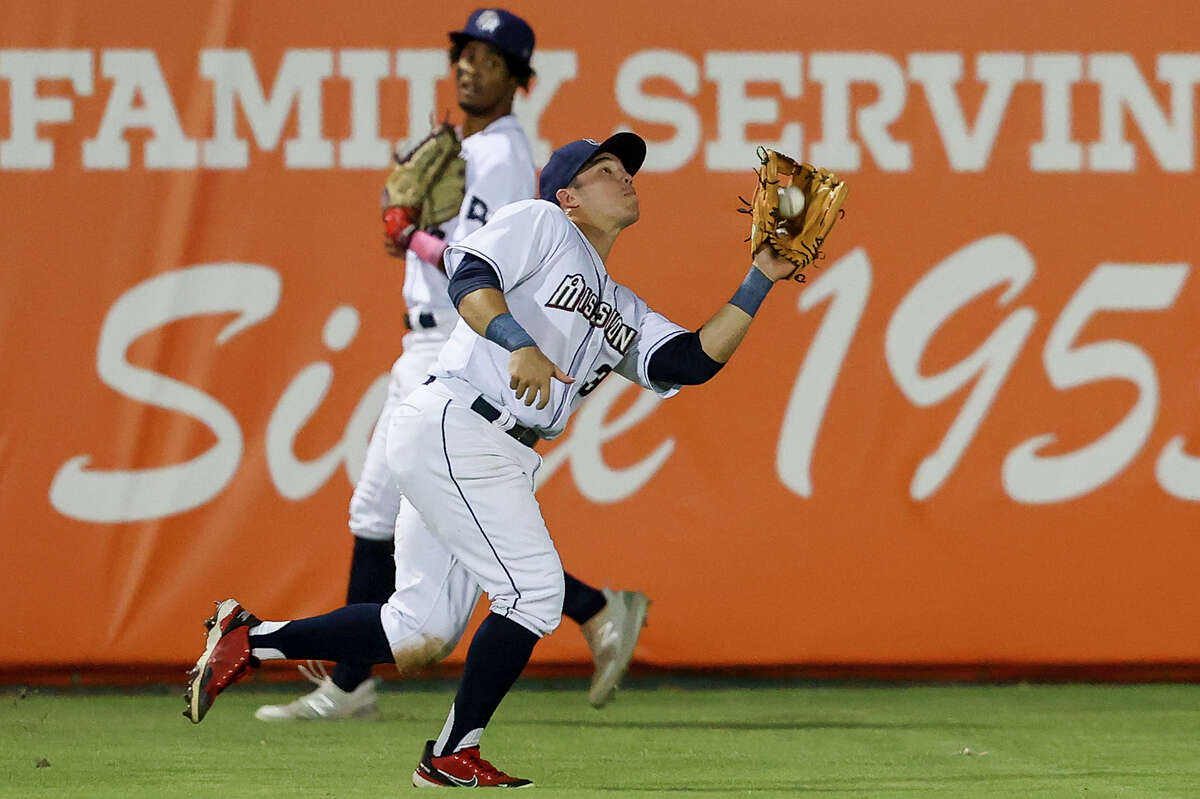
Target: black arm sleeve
682,361
473,273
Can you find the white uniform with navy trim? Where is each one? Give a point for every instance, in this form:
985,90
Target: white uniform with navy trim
499,171
471,482
558,289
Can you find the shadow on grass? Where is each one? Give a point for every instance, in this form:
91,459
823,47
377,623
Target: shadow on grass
918,785
700,724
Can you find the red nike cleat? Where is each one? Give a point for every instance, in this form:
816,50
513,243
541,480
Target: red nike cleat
226,658
463,769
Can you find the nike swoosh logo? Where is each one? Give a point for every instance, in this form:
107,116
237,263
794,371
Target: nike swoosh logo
471,783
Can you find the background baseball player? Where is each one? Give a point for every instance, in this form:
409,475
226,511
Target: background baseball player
542,324
490,59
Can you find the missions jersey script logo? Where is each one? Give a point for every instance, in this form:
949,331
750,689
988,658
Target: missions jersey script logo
574,295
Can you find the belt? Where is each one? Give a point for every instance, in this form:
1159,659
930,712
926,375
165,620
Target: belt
526,435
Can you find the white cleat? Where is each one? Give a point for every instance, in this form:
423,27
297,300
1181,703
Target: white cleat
612,634
327,702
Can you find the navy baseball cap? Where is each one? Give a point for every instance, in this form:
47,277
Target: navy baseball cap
502,29
565,163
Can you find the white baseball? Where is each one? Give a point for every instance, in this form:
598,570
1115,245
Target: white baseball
791,202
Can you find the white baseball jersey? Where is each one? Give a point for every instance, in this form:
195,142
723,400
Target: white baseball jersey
558,289
500,170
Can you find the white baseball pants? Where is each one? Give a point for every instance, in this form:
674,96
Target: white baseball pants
471,485
376,500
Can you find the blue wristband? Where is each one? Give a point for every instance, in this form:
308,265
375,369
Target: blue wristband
752,291
508,333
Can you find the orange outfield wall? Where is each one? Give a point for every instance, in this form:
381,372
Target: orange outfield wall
972,436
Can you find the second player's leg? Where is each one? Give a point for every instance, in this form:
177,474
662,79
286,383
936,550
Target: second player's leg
237,640
349,691
420,623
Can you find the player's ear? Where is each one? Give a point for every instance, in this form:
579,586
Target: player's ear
566,199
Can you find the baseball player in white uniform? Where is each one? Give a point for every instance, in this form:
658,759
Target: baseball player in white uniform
490,59
542,324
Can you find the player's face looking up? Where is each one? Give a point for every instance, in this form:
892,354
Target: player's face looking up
482,80
602,194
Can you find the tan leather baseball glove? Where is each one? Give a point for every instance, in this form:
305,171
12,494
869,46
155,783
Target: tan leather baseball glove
794,232
426,185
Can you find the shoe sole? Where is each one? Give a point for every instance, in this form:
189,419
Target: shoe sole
362,714
421,781
201,671
275,714
602,693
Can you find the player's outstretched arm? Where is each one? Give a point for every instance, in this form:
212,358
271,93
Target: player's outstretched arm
722,334
530,371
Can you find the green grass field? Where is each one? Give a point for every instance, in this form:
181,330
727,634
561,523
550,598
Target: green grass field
657,738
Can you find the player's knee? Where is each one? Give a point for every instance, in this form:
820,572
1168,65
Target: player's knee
423,648
539,608
415,646
540,624
419,651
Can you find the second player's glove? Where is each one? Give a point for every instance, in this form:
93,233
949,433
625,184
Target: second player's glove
793,209
426,186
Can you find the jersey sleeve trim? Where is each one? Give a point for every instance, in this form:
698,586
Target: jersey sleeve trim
459,248
663,390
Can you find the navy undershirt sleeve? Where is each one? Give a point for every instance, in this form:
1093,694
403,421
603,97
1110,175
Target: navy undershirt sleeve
473,273
682,361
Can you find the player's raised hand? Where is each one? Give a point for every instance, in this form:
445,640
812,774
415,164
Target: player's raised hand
531,372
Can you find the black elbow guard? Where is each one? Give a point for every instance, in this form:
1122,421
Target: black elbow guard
682,361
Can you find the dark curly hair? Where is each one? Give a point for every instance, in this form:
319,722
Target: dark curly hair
520,70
